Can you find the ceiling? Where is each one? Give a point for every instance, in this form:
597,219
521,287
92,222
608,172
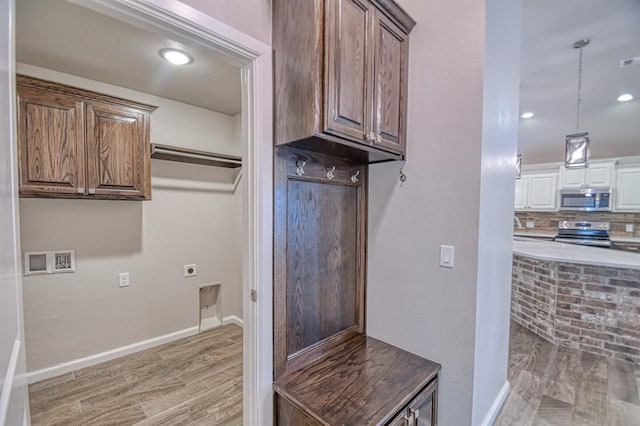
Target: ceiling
549,77
65,37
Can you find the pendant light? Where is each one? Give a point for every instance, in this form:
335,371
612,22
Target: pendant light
577,145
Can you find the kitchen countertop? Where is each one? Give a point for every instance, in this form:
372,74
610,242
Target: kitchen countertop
625,239
571,253
535,234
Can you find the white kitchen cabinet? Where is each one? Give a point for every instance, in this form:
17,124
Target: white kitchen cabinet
627,190
597,174
536,192
521,193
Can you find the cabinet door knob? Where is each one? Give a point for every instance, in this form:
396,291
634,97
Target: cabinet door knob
92,191
80,190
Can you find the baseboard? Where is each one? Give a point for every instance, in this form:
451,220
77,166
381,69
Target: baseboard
490,418
7,382
232,319
67,367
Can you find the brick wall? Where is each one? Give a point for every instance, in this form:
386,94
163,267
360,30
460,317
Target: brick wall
548,221
595,309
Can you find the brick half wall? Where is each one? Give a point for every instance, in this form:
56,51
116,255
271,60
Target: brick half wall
591,308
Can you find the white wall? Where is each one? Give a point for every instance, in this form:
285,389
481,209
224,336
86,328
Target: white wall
499,142
14,400
70,316
253,17
454,169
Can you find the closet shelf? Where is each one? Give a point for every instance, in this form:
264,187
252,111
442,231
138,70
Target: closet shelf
186,155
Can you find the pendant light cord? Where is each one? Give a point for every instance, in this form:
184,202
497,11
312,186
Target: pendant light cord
579,89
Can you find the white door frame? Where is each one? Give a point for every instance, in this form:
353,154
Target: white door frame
255,59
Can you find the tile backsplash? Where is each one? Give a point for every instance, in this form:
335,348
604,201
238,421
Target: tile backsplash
548,221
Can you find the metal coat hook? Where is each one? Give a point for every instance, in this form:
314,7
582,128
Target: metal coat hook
330,171
403,177
300,167
354,176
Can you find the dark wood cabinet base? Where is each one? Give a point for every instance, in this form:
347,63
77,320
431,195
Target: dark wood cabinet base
362,382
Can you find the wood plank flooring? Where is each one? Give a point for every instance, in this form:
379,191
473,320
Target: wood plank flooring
192,381
552,385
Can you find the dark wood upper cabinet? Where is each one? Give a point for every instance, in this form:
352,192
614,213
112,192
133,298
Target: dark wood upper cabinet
390,79
340,73
73,143
51,142
348,94
116,152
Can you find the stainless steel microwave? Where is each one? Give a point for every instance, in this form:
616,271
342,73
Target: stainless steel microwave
586,199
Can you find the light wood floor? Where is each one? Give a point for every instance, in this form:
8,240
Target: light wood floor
192,381
552,385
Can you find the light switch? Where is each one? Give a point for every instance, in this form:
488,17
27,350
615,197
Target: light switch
123,279
446,256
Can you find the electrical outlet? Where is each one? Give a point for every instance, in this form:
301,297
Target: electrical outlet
531,224
123,279
446,256
190,270
628,227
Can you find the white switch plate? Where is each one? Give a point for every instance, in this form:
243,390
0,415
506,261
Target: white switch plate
190,270
531,224
123,279
446,256
628,227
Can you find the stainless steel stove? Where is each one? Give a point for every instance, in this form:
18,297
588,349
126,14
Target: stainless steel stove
584,233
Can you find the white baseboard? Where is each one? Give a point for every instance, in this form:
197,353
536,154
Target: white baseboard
232,319
7,381
490,418
67,367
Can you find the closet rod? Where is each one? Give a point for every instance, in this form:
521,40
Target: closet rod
185,155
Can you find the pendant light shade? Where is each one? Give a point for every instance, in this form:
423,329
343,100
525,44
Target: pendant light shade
576,152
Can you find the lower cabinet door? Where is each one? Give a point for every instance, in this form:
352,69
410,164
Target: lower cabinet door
421,411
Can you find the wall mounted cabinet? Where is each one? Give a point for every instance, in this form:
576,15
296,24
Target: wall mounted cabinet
597,174
627,190
537,191
73,143
340,70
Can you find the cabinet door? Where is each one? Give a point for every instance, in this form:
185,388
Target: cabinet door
390,53
347,66
118,153
542,191
421,411
521,193
51,143
572,178
599,175
627,190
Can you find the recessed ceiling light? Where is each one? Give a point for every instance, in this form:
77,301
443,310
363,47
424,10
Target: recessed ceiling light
624,98
176,57
527,115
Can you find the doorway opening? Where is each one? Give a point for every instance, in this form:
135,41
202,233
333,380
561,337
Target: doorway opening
210,219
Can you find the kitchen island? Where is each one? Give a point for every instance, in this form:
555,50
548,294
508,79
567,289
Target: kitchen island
582,297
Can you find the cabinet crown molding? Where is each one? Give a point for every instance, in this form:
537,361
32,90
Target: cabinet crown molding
77,92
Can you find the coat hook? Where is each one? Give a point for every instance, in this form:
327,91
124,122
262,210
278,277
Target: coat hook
403,177
300,167
330,171
354,176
